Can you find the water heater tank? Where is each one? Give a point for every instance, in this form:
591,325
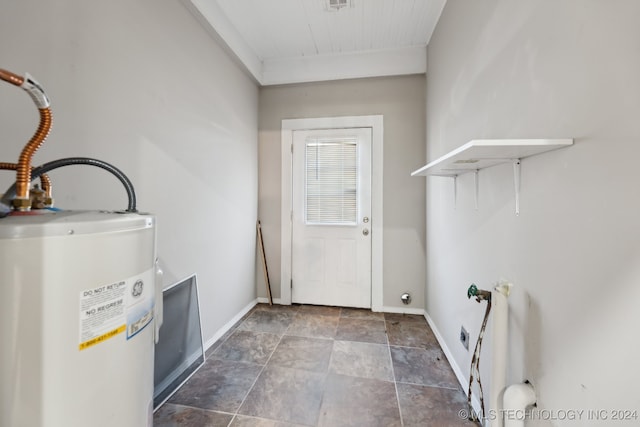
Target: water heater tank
77,297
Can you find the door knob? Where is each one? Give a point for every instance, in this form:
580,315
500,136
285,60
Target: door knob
365,231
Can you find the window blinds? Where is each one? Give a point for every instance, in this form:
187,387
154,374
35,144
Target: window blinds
331,184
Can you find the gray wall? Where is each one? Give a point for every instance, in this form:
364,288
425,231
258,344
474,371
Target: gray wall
402,102
143,86
536,69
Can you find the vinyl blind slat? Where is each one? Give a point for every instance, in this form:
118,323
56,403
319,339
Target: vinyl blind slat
331,181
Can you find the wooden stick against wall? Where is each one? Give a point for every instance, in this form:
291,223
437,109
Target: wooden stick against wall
264,263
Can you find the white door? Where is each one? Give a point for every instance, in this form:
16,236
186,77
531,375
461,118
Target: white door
331,217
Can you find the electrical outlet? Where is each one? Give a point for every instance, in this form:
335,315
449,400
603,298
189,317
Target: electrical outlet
464,337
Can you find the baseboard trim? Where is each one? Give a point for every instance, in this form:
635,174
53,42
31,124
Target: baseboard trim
464,382
227,326
382,309
264,300
402,310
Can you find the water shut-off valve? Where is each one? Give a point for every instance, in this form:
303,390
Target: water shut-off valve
480,294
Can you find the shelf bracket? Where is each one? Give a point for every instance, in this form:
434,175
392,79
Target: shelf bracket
516,182
455,191
475,181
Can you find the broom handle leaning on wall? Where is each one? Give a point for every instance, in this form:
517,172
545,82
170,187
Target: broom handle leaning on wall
264,263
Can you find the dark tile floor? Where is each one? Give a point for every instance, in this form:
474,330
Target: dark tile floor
288,366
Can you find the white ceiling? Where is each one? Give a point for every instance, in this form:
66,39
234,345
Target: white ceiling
291,41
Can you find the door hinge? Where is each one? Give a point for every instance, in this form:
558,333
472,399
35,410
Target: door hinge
291,283
291,148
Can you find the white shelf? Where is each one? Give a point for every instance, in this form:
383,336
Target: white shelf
483,153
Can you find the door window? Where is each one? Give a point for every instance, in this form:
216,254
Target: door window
331,182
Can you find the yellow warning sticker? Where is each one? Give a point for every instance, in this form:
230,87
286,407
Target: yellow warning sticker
124,305
102,338
102,313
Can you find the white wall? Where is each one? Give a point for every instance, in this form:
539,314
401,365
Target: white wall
533,69
140,84
401,100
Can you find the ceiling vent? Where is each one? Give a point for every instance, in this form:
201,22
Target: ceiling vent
333,5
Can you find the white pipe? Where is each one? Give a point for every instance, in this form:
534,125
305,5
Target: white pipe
516,399
500,308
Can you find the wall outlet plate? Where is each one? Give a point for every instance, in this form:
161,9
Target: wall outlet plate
464,337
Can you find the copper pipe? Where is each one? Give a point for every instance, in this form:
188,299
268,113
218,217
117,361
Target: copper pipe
45,181
23,175
10,77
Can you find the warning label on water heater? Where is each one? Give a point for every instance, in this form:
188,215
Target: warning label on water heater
109,310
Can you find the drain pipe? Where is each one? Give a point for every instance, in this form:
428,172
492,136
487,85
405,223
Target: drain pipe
499,351
517,398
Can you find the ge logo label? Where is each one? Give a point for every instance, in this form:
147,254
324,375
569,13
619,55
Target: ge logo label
137,288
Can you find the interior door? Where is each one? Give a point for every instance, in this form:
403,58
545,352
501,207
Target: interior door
331,217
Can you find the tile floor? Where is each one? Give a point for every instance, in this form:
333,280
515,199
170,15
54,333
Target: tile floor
302,365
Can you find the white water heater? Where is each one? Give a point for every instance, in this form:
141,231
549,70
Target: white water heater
77,326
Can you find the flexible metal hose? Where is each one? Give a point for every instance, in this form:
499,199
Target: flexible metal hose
55,164
23,173
45,181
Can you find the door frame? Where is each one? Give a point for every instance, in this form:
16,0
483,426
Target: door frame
288,127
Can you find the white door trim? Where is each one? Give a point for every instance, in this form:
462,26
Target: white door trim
376,125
